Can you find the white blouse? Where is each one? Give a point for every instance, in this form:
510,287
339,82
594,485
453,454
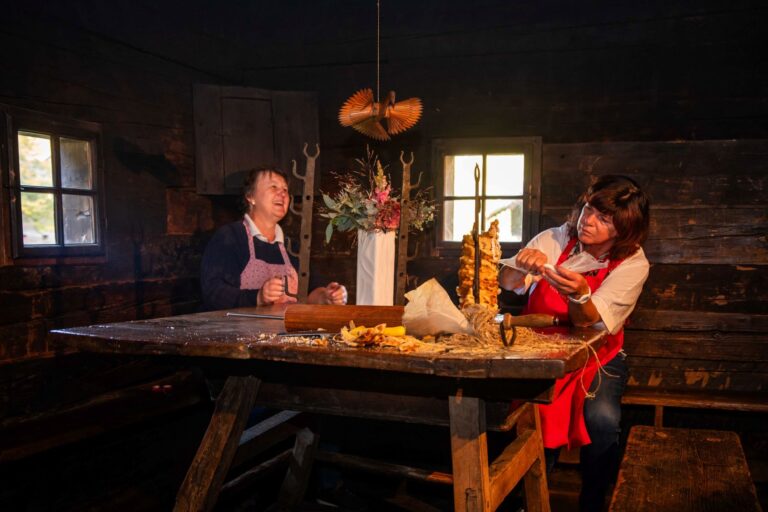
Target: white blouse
617,295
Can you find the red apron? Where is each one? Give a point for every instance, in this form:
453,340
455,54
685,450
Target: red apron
562,421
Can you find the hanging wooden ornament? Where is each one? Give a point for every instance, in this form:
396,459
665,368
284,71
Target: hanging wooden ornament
364,114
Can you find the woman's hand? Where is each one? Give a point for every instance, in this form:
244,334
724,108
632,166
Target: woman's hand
565,281
511,279
575,285
335,294
531,260
273,291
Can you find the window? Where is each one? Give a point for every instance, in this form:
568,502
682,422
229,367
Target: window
53,202
507,185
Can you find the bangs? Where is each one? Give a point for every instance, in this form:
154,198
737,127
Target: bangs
602,202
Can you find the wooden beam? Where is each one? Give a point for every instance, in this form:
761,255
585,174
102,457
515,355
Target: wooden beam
512,465
265,434
299,467
205,476
384,468
536,490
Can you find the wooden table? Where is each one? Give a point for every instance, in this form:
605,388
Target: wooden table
440,389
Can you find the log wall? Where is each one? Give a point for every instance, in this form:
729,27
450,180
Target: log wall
61,448
701,321
671,93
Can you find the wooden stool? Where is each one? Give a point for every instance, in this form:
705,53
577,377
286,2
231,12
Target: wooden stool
671,469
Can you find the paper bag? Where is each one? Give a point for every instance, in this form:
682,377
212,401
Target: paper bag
581,263
430,311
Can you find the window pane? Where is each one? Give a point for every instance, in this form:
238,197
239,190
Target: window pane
37,219
75,164
509,212
35,160
78,219
460,175
505,174
458,217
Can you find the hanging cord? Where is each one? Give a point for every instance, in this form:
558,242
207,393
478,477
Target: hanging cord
378,47
600,371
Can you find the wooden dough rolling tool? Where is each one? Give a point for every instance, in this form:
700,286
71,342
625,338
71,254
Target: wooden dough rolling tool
507,327
308,317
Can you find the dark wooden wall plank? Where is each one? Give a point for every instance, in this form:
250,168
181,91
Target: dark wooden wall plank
672,94
738,288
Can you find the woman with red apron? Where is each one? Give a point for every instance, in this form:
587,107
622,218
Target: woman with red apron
609,223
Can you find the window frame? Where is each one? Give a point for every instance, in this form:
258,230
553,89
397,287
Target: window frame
14,120
531,147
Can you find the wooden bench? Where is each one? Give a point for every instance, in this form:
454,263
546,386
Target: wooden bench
670,469
694,399
27,435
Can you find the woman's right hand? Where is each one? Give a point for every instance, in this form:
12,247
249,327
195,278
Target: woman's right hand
531,260
271,291
510,278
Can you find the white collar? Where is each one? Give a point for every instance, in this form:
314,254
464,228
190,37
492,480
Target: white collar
580,248
255,231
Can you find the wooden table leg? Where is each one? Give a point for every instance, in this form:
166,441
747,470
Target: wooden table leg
480,487
469,453
205,476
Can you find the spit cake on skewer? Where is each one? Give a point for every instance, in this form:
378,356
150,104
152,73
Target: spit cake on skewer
490,253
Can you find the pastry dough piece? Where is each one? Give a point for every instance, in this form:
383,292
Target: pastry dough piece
490,253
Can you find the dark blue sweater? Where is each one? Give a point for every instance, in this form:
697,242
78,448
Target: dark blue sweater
224,259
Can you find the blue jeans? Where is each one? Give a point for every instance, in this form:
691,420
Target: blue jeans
602,415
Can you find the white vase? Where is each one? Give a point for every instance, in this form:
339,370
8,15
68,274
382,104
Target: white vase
375,268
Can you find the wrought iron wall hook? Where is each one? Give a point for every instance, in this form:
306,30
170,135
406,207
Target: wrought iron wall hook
402,249
289,246
409,163
292,205
312,157
305,236
418,182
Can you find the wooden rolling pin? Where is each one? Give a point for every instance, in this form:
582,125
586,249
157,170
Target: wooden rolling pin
308,317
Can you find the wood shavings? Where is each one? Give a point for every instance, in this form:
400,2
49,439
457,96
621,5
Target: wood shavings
313,341
487,339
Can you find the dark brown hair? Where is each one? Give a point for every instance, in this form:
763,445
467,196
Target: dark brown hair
253,177
623,199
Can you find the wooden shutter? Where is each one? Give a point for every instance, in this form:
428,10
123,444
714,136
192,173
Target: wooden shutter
239,128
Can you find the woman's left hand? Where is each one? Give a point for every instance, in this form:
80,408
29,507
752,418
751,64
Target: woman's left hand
566,282
335,293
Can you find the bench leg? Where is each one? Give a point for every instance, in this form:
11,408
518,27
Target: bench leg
206,474
658,416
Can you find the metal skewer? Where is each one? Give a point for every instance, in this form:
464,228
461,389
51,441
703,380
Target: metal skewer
476,237
253,315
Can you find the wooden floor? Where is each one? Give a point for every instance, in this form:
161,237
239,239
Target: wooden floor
387,495
564,486
108,476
